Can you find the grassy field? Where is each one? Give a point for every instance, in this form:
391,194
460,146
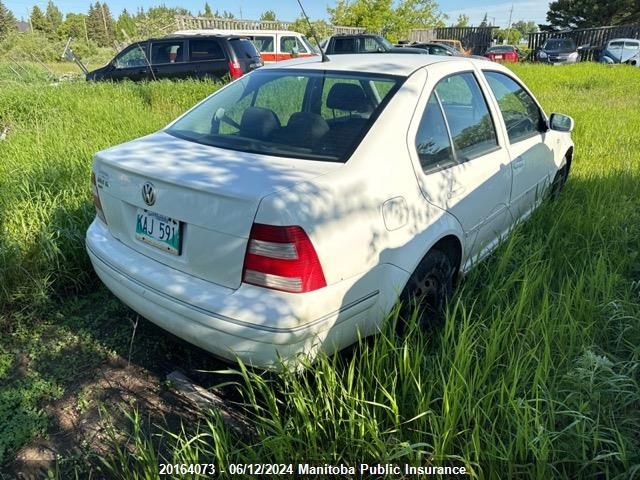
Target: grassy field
534,374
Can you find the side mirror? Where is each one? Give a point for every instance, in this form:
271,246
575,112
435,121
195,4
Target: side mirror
561,123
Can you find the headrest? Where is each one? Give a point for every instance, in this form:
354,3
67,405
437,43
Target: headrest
309,127
258,123
347,97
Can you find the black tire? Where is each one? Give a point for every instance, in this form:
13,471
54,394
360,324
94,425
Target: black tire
428,290
559,181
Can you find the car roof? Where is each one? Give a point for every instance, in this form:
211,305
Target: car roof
402,64
179,36
635,40
241,33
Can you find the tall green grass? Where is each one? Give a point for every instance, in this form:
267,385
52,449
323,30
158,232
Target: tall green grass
534,373
45,206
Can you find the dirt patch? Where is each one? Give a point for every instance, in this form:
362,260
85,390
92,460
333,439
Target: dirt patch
81,419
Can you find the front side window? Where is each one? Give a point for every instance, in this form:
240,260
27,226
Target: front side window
167,52
291,45
206,49
135,56
467,115
432,140
520,112
370,45
319,115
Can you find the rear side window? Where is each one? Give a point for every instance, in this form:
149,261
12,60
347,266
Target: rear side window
432,140
205,49
264,43
520,112
467,115
167,52
344,45
244,48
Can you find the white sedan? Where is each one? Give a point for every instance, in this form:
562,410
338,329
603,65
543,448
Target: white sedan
290,210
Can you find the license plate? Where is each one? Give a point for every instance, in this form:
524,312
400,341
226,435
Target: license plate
158,231
498,57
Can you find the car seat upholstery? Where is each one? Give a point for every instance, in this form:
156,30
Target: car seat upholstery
258,123
348,97
303,129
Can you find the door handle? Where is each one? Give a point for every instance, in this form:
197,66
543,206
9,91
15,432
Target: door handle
518,163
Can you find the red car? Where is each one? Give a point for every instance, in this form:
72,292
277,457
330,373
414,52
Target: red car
503,53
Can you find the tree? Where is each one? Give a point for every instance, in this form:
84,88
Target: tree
100,24
268,16
37,20
392,19
591,13
525,27
53,17
484,22
510,36
321,28
463,21
126,27
207,10
7,21
73,26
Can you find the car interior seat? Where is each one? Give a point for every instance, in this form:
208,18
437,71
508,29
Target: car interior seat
258,123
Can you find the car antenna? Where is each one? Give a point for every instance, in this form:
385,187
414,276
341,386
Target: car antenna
313,33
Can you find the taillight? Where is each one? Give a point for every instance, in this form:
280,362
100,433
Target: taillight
282,258
235,70
96,198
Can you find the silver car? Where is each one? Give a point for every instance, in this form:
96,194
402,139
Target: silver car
621,50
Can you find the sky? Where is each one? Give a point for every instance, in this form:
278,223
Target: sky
497,10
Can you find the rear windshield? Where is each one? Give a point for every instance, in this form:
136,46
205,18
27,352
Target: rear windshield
560,43
318,115
244,48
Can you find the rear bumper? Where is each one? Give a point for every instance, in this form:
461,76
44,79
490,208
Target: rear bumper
257,325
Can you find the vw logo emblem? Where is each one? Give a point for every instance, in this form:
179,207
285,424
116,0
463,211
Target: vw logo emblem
149,193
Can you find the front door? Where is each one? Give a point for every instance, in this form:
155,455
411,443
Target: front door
530,146
464,167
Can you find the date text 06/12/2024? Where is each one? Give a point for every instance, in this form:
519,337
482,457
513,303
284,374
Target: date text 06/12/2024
239,469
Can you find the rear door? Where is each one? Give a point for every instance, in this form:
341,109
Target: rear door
169,60
132,63
461,158
529,141
208,58
290,47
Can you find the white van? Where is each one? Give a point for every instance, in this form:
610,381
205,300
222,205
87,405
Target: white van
273,45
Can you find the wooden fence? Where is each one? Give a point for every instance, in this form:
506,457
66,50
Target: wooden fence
592,39
476,39
201,23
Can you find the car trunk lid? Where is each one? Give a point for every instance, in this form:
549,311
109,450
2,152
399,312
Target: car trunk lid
208,195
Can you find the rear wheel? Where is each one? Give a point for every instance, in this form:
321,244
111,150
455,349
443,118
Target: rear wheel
428,290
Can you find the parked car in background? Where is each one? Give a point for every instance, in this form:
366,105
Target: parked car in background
363,43
635,60
289,211
273,45
503,53
439,49
620,50
182,56
456,44
558,51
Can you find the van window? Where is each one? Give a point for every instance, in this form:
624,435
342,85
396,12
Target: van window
167,52
291,45
205,49
134,56
264,44
244,48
